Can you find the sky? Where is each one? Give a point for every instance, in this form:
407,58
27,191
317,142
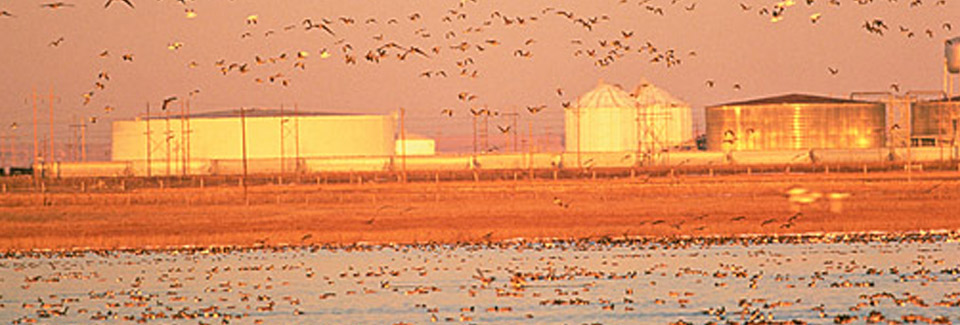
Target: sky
520,65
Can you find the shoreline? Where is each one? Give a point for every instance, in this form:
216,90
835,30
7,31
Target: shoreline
478,212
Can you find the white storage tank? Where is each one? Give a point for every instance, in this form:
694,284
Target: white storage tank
602,120
953,55
270,135
665,121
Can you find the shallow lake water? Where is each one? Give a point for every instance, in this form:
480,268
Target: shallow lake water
816,279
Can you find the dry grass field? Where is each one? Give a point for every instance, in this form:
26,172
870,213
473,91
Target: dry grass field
467,211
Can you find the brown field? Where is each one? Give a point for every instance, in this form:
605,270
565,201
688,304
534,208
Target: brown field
467,211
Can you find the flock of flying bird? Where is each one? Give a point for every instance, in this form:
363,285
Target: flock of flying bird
463,41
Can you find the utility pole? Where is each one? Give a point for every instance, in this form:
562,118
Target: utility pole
474,134
403,144
296,130
513,134
282,168
516,131
78,150
167,136
4,157
148,136
531,143
52,153
83,141
183,145
579,139
484,132
36,142
243,137
187,138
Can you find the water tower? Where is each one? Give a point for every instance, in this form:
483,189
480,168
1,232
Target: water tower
951,66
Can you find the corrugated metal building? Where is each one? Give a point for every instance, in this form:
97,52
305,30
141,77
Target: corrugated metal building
218,136
795,121
936,122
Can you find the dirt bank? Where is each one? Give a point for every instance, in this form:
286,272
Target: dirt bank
478,211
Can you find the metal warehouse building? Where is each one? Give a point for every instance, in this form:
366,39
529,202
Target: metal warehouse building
936,122
269,135
795,122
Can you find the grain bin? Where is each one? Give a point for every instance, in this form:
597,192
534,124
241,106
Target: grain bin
602,120
665,121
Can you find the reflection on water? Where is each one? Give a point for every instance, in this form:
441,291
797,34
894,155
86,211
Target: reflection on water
816,279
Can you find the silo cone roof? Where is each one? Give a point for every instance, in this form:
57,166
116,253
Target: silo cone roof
647,94
606,96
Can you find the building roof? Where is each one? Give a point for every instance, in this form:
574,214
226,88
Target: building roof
954,99
794,99
647,94
606,95
256,112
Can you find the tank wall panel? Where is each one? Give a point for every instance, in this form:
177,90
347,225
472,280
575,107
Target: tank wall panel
795,126
221,138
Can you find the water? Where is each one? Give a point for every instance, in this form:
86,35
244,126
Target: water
646,282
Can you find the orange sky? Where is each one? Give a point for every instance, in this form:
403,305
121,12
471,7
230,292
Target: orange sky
732,45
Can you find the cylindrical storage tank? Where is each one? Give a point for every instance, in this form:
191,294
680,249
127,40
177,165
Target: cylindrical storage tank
269,135
665,121
953,55
603,120
935,121
795,122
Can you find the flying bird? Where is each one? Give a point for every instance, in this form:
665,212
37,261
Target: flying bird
308,25
57,42
535,109
124,1
503,129
833,71
167,101
56,5
814,18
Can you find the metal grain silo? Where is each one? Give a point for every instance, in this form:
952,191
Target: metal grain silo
665,121
793,122
953,55
936,122
603,120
